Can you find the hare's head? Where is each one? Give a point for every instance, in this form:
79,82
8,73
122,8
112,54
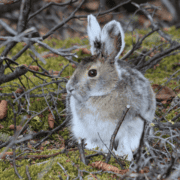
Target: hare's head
97,75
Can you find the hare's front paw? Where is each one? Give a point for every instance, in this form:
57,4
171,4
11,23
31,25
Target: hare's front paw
90,145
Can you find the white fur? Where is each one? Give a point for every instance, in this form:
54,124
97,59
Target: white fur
105,37
94,31
128,142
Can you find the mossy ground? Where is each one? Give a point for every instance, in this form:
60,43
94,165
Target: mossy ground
51,169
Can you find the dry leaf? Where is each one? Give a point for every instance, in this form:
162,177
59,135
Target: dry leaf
51,120
3,109
107,167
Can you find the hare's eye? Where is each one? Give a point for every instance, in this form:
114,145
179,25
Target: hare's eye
92,72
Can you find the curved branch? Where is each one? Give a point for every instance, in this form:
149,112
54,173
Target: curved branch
21,70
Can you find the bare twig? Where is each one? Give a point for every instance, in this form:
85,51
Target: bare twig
51,4
8,28
112,141
155,26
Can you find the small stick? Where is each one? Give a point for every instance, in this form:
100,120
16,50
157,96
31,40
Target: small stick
81,151
115,133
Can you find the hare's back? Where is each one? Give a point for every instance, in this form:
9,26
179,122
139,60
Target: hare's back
139,88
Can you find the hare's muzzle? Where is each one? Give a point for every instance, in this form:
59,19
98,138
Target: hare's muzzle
69,88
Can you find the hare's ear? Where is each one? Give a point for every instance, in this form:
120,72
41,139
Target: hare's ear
112,38
94,33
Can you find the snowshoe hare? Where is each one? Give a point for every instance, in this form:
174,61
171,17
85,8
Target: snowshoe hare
101,88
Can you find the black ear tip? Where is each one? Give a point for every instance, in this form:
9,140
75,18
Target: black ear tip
97,44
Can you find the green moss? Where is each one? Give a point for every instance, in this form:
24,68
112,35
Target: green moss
172,114
51,168
162,72
129,40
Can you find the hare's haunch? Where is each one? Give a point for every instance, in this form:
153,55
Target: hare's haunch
101,88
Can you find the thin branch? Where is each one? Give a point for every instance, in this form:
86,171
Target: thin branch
7,2
62,23
112,141
155,26
8,28
50,4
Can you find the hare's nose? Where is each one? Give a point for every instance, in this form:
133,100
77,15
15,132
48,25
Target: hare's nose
69,89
